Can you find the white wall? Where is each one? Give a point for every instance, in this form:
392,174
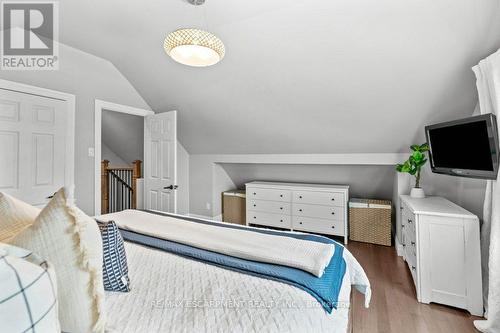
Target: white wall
465,192
182,180
212,174
123,134
374,181
221,182
88,78
112,157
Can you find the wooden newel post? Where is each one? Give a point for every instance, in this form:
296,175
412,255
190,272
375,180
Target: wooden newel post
136,173
104,187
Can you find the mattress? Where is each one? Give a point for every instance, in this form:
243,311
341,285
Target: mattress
171,293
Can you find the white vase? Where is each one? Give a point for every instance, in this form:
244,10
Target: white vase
417,192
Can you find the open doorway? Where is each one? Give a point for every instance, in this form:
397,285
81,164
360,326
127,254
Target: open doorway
119,157
122,156
119,174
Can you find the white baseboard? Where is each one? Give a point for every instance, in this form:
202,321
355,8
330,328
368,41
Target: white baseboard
399,247
204,217
217,218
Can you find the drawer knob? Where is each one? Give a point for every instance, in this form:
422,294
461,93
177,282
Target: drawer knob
402,226
300,222
254,193
300,197
300,210
254,205
333,199
255,217
333,213
281,208
333,227
281,220
413,243
281,195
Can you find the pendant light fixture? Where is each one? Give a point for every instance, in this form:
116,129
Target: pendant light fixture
194,47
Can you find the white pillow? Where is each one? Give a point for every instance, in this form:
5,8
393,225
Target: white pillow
15,215
71,241
28,292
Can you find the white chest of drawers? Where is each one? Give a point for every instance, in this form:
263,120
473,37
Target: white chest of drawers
304,207
442,249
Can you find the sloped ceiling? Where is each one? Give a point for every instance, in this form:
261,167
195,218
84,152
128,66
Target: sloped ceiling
124,135
304,76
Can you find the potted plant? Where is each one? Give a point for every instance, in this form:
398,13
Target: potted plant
413,166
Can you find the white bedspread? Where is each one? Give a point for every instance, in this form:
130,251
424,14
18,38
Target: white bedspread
174,294
312,257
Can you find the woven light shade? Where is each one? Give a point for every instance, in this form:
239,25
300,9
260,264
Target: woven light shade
194,47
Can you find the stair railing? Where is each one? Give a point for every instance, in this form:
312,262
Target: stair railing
119,187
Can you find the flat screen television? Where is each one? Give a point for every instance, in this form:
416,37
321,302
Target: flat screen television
465,147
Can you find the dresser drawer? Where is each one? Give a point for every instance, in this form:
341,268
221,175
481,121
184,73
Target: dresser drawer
331,227
411,252
255,193
319,198
413,271
409,221
321,212
275,207
269,219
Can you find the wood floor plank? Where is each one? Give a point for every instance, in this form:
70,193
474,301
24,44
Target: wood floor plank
394,307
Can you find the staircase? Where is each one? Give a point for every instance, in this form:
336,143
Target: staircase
119,187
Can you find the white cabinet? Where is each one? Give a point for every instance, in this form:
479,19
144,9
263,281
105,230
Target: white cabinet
295,206
442,249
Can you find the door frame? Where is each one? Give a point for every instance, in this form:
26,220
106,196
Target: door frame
69,176
101,105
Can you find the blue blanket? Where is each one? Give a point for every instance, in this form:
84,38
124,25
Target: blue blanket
325,289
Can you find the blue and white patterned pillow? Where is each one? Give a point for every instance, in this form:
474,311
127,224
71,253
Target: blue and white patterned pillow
28,293
114,267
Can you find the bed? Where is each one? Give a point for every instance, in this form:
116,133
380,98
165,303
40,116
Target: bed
172,293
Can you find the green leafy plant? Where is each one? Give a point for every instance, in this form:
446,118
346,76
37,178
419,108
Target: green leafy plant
415,162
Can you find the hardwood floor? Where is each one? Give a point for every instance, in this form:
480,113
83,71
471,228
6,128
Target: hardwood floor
394,307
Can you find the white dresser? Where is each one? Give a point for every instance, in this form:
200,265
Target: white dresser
442,249
305,207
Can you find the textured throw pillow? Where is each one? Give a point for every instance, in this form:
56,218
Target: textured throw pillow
28,296
114,267
15,215
71,241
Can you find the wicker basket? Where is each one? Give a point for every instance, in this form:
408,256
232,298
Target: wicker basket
370,221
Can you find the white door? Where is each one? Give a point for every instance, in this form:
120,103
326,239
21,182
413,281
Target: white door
32,146
160,162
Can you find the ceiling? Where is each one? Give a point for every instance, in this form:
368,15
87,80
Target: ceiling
304,76
124,135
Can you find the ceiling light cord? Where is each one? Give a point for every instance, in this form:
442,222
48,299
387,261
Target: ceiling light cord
196,2
204,20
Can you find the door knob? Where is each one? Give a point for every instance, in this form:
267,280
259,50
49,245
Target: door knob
171,187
